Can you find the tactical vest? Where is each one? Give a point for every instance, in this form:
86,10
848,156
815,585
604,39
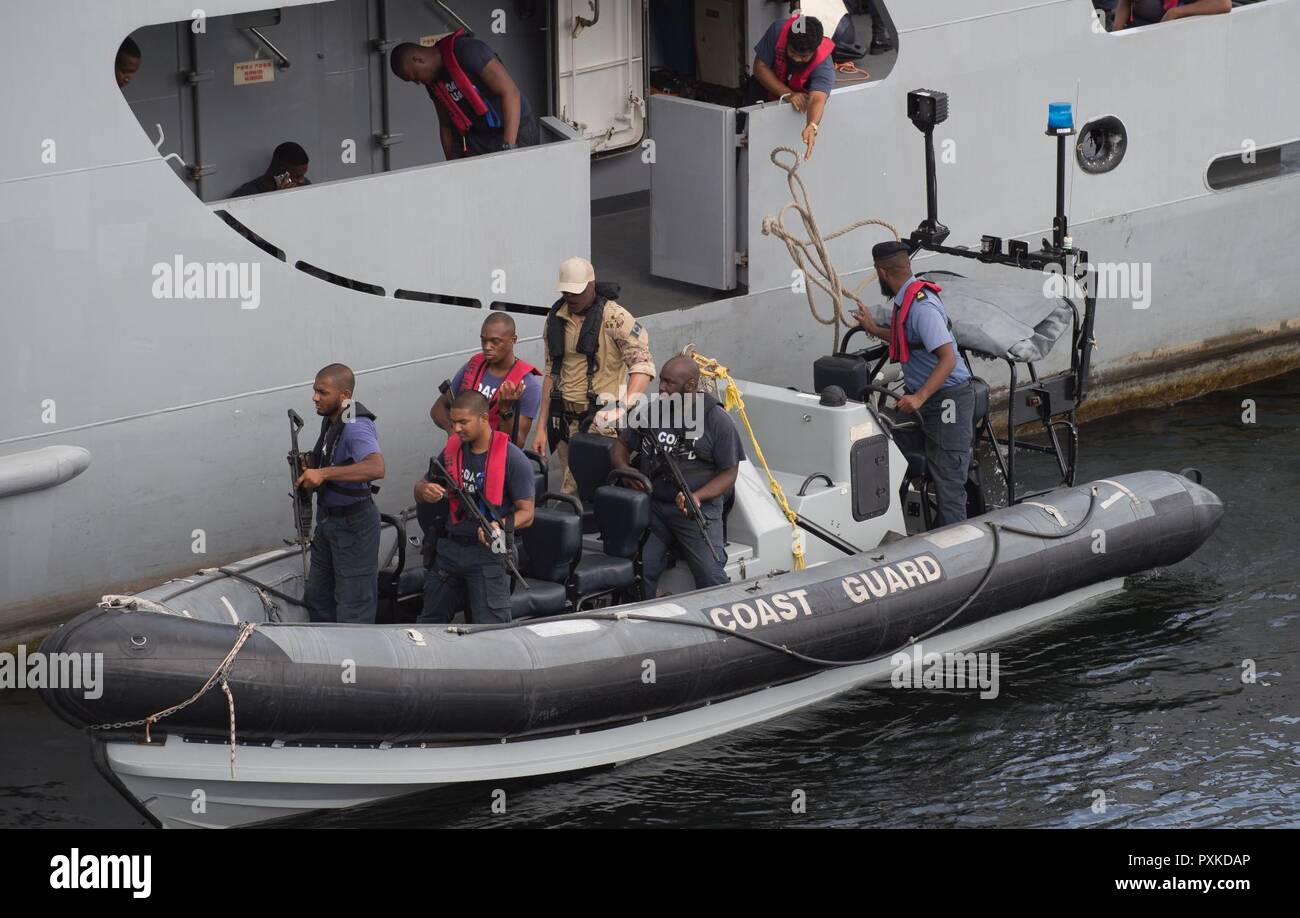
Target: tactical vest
588,345
322,455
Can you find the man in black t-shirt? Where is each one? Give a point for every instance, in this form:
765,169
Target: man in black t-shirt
480,109
708,451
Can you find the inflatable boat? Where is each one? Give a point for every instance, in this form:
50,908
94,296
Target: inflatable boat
264,715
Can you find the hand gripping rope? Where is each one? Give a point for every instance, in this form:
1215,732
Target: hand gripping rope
711,369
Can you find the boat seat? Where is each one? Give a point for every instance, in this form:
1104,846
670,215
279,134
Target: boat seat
409,582
539,472
981,391
552,543
549,550
542,597
391,586
623,518
590,464
402,606
599,573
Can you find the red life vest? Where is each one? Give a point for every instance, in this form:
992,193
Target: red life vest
471,103
494,473
1168,5
798,79
473,375
897,330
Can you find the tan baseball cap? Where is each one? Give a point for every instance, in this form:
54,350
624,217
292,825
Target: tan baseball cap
575,274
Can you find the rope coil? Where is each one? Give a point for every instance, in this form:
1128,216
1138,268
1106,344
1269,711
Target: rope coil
810,255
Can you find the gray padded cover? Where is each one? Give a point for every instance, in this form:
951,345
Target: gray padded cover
996,321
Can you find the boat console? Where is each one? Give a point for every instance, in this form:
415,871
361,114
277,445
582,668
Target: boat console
993,322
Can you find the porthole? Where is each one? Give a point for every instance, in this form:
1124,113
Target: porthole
1102,144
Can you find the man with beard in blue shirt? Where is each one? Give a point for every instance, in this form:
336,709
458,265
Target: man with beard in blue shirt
343,583
935,378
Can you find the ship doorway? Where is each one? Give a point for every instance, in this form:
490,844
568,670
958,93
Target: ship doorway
669,218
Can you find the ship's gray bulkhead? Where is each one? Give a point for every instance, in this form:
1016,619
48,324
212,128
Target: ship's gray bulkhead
331,91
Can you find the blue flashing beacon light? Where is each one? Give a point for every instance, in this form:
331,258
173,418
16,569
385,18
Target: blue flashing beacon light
1060,118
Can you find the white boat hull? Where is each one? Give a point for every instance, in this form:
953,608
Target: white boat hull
183,784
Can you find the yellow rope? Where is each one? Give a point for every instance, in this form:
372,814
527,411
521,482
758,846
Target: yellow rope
711,369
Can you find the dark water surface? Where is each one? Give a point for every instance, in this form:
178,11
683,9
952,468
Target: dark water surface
1140,698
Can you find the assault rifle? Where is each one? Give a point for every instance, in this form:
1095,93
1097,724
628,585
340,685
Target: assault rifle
439,475
669,463
301,496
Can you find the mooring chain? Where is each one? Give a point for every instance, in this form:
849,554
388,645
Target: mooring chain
219,675
810,253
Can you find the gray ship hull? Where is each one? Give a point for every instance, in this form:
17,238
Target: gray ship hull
179,401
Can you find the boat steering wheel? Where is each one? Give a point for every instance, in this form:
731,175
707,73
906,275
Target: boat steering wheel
889,420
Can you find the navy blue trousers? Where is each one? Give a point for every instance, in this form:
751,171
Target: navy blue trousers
461,570
945,447
671,529
343,585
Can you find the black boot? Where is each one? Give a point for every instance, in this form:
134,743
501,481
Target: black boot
880,38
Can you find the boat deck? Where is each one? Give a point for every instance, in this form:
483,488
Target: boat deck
620,250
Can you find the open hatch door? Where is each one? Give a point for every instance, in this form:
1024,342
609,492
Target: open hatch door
600,70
